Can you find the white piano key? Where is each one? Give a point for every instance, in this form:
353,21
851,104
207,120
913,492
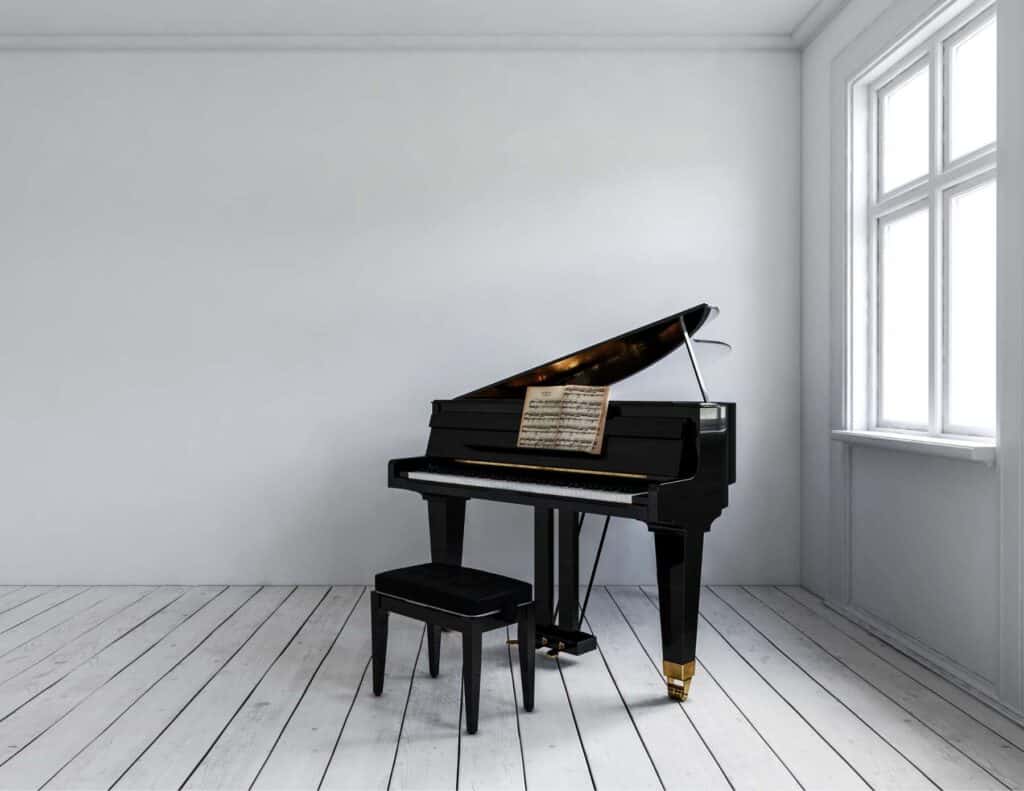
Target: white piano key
603,495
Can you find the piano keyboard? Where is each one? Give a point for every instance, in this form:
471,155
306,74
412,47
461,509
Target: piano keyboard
576,492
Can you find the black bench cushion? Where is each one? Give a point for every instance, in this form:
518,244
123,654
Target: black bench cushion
455,588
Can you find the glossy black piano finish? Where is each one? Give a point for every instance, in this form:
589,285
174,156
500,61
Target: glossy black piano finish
609,361
652,448
668,464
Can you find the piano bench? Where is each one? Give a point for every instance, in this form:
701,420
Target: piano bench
460,599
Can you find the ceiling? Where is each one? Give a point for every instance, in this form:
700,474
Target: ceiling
567,18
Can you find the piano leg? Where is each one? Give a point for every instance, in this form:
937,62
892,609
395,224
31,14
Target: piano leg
568,570
678,555
566,635
447,516
544,565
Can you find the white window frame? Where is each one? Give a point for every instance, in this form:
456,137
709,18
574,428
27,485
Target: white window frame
869,207
901,22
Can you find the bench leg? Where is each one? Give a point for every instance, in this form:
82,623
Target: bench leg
434,649
472,649
379,640
527,637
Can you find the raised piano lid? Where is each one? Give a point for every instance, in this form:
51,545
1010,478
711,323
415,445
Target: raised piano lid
609,361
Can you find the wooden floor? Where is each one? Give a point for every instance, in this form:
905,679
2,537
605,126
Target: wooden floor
249,687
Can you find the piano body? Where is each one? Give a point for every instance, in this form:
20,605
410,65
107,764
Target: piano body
665,463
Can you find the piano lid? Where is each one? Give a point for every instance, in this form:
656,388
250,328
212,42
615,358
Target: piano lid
606,362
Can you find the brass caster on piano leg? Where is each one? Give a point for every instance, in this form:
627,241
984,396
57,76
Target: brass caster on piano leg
678,678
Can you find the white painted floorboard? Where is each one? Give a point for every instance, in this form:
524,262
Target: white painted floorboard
813,761
237,757
18,596
934,757
269,688
615,752
958,697
300,757
36,623
428,748
170,760
739,748
34,716
46,601
492,758
982,747
365,752
23,683
102,738
662,728
18,658
867,752
547,734
34,764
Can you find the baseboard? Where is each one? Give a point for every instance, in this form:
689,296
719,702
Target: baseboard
938,663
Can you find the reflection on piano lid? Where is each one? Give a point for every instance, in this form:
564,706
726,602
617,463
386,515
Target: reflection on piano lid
609,361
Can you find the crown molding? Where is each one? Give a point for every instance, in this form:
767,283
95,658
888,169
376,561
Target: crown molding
815,20
275,41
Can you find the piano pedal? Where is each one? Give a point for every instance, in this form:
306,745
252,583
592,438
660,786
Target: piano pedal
570,641
552,652
511,642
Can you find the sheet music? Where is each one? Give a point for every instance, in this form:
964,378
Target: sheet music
568,417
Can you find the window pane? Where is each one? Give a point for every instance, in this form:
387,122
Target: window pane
903,134
903,320
972,89
972,309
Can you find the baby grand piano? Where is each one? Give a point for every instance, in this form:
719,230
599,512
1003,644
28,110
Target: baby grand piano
665,463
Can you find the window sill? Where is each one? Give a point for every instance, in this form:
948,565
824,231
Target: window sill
979,449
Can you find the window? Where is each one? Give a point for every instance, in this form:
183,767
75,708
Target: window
924,272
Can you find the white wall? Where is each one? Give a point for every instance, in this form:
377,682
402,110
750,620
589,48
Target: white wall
233,281
924,546
924,534
816,321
